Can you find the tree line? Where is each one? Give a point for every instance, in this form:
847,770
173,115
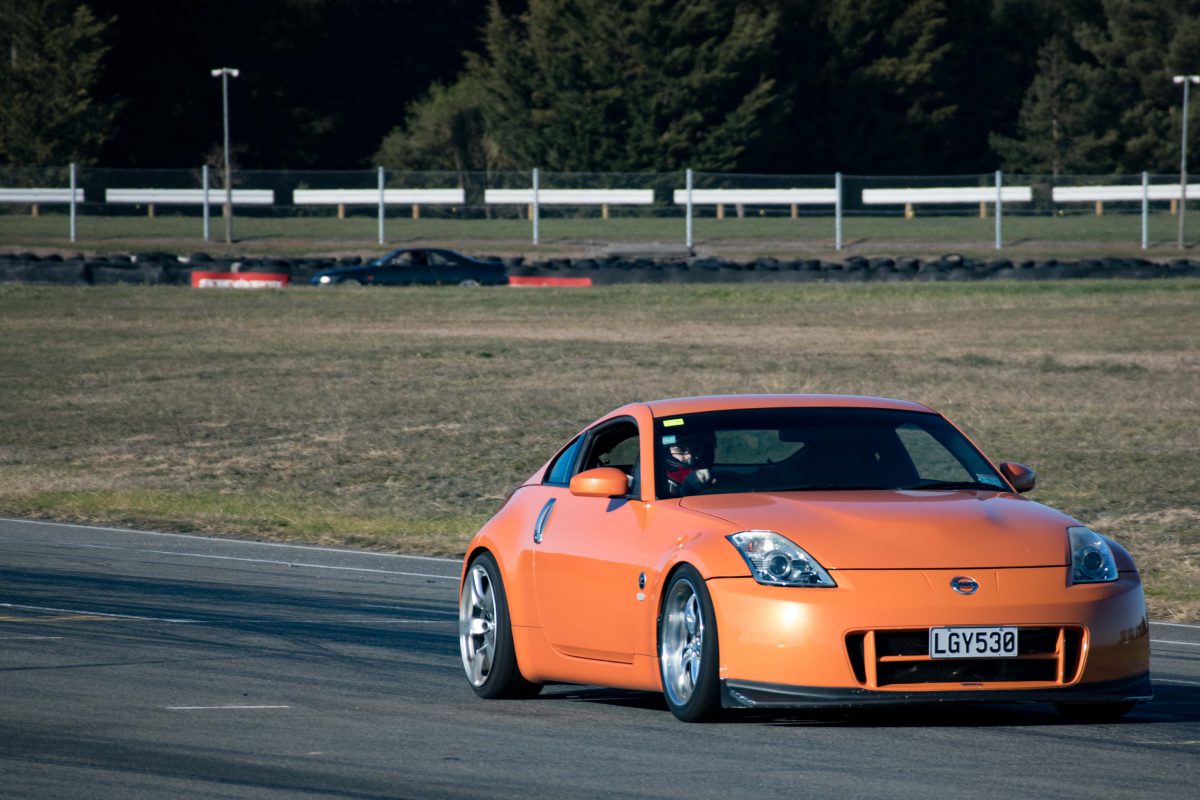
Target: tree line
766,86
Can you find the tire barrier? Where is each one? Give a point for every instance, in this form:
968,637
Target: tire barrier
155,268
44,272
102,274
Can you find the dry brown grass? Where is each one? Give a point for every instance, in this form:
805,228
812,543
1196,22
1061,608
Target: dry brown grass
400,419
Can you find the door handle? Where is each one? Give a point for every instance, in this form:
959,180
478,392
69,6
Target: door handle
542,516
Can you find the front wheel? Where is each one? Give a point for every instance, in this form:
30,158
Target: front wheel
687,648
485,634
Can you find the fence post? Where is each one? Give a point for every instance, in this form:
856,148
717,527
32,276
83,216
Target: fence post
689,210
204,181
74,182
536,210
837,211
381,206
1145,210
999,207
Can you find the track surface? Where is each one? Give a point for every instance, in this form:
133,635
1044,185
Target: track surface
155,665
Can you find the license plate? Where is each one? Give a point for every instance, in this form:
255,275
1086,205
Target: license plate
992,642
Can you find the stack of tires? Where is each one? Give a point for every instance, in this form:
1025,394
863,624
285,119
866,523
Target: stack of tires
168,269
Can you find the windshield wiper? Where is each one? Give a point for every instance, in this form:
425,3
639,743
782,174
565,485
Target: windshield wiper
946,485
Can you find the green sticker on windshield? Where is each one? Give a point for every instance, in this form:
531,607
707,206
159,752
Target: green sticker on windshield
672,423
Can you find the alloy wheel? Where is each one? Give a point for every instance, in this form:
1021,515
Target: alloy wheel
477,625
682,645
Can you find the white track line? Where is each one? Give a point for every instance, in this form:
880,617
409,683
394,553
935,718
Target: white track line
263,561
1168,641
296,564
26,638
1170,680
220,708
1176,625
225,539
99,614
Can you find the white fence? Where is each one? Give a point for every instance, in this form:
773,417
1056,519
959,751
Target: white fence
570,197
381,198
740,198
41,195
535,198
188,197
1102,194
656,194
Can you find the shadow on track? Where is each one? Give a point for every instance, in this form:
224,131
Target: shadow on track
1172,703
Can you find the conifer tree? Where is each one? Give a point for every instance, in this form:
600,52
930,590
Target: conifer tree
1060,128
893,59
1111,107
1137,48
50,61
629,85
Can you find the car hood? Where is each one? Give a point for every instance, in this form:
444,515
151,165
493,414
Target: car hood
902,529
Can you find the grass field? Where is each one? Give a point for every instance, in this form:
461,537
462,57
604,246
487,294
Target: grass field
1076,235
400,419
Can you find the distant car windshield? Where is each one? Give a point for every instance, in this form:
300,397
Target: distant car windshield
814,449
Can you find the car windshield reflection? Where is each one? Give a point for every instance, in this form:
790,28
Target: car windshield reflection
815,449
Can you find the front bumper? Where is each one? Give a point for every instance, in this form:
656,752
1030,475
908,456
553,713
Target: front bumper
860,643
747,694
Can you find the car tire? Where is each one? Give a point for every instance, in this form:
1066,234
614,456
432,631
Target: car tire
350,283
485,634
1094,712
688,648
468,282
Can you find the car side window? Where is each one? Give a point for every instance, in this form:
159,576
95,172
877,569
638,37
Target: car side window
615,445
563,467
438,260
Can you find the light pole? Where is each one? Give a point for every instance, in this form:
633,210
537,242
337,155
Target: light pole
1187,81
224,73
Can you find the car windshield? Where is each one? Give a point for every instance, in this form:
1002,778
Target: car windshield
814,449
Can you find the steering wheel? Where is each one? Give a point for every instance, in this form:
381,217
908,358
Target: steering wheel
721,483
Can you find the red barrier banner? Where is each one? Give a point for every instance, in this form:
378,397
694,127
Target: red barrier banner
239,280
538,280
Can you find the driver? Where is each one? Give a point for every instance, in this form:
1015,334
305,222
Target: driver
687,462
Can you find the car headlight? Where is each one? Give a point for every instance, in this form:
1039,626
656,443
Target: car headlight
325,279
777,561
1091,558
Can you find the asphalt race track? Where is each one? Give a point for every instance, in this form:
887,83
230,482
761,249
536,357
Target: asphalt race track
154,665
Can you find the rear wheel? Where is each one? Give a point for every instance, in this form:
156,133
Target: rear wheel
1094,712
468,282
485,634
687,648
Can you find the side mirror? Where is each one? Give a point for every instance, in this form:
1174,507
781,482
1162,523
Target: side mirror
1020,476
600,482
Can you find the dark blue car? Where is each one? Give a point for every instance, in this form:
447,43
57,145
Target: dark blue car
416,265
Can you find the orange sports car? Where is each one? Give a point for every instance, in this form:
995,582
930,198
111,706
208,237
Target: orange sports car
798,551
